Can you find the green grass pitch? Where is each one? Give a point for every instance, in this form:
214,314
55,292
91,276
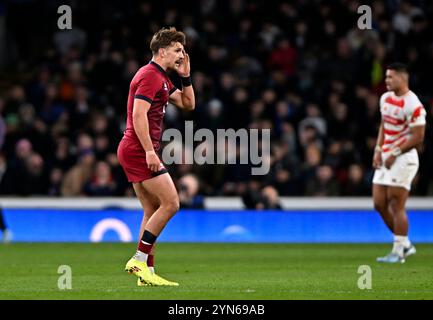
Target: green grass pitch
214,271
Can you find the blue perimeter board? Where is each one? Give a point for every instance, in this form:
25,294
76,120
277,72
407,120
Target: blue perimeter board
294,226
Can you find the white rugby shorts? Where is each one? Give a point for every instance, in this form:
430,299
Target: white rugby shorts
401,172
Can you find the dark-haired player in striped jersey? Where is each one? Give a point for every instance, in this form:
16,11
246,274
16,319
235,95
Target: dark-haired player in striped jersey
396,158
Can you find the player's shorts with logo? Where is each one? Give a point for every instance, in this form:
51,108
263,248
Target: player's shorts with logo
132,158
401,172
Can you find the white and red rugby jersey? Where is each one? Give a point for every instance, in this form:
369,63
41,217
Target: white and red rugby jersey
399,113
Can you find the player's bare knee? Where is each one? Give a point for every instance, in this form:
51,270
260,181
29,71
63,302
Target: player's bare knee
176,204
171,206
393,205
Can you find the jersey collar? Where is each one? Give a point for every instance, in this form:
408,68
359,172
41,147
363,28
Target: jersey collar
157,66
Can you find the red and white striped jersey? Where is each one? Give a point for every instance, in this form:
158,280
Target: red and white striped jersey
399,113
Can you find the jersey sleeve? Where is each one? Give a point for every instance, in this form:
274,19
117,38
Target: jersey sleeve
416,113
172,88
382,101
147,88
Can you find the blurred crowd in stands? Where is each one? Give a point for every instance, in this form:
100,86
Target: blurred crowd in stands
301,68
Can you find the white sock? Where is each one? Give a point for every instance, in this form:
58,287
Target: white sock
404,240
152,270
141,256
399,244
407,242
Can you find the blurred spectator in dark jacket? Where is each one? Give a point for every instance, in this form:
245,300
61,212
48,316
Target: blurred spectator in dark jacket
322,184
16,169
189,195
257,198
272,198
356,184
312,160
101,183
252,197
34,179
55,183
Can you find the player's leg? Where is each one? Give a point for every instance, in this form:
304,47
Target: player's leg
380,200
399,178
2,222
6,233
150,204
397,205
162,188
397,197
